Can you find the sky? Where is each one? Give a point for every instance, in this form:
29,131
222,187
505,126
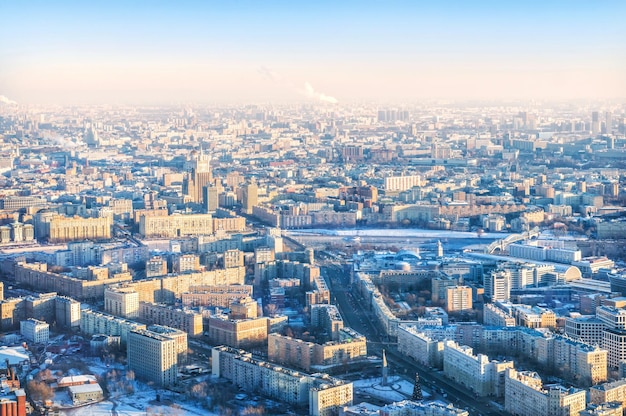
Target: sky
165,52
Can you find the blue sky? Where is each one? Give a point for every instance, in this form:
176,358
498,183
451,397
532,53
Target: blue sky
158,51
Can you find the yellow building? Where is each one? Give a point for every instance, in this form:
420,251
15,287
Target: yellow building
121,301
609,392
63,229
220,296
175,225
237,333
187,321
458,298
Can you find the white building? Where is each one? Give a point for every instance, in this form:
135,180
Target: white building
153,357
475,372
525,395
419,346
498,285
35,331
411,408
324,394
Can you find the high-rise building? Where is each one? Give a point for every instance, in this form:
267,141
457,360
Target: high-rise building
458,298
608,122
595,123
250,197
67,312
210,198
498,285
199,177
153,357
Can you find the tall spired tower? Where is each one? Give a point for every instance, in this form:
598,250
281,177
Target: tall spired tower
199,177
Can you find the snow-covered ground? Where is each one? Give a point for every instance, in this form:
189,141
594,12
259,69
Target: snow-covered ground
397,389
141,401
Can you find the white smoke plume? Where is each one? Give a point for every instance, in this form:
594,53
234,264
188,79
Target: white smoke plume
6,100
310,92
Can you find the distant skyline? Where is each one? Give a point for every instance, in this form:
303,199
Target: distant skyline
160,52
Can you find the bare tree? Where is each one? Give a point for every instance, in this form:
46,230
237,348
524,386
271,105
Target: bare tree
40,390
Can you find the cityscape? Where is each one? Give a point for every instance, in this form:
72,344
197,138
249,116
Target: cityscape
317,209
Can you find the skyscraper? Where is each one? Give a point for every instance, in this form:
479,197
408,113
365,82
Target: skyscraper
595,123
199,177
210,198
250,196
608,122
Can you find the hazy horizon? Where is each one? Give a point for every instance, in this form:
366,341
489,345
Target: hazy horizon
161,52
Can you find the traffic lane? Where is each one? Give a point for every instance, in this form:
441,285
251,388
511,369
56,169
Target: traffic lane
352,311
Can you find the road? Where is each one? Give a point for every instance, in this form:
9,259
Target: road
356,315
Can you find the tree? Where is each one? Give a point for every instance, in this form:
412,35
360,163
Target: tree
253,410
40,391
270,309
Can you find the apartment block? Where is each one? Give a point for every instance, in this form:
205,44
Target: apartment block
156,266
495,316
585,328
419,346
67,312
36,275
301,354
12,311
184,263
220,296
614,391
412,408
153,357
169,289
175,225
237,333
180,337
475,372
93,323
458,298
323,394
185,320
59,229
328,318
527,396
121,301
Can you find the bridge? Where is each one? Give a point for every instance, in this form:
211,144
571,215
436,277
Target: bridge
501,245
